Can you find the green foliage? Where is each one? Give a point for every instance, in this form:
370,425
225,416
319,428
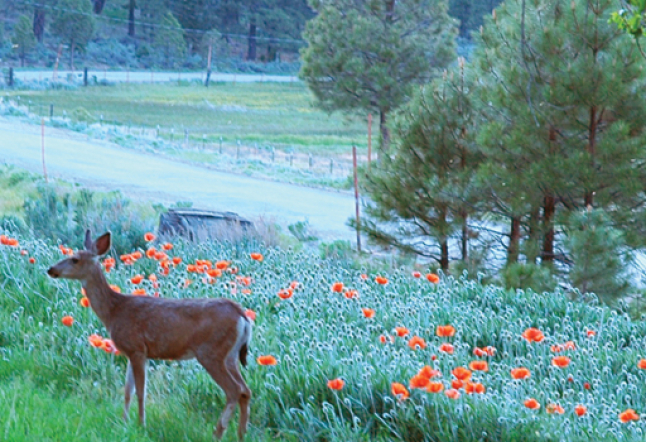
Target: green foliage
74,24
65,217
631,18
366,56
528,276
599,254
302,231
337,249
169,39
471,13
421,196
23,36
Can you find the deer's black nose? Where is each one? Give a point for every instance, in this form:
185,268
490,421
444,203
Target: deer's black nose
51,272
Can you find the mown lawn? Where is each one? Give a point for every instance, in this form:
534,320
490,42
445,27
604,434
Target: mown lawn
55,386
267,114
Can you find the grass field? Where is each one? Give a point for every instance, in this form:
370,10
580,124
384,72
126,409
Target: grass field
269,114
55,386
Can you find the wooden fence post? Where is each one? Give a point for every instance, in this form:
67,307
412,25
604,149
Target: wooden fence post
356,196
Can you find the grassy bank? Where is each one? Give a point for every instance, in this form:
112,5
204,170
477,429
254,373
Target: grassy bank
55,386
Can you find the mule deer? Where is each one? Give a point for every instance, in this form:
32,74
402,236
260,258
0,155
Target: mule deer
215,331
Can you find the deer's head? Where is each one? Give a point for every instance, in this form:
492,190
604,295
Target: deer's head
79,265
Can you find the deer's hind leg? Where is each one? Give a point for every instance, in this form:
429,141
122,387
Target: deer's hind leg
218,370
130,388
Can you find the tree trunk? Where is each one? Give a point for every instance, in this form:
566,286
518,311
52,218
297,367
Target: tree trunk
251,49
444,255
514,241
385,133
588,199
98,6
549,207
72,45
39,24
22,58
131,18
533,248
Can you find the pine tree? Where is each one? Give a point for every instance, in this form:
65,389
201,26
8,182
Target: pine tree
74,24
169,39
23,37
366,55
599,255
563,128
421,198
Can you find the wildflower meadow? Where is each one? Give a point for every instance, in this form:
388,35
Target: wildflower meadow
338,354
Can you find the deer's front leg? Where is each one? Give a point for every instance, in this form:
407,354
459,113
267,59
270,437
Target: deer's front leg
138,365
130,388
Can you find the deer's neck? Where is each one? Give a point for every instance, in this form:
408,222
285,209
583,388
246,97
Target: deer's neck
100,294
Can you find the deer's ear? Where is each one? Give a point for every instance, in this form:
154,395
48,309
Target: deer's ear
102,244
89,244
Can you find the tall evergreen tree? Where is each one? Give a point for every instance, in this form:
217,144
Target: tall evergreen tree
421,198
74,24
366,55
563,128
23,37
169,39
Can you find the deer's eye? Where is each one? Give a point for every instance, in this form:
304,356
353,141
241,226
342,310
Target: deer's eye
75,260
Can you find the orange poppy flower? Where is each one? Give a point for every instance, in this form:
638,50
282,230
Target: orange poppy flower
419,381
137,279
417,274
591,333
432,277
446,348
428,372
399,391
586,386
368,312
214,273
85,302
160,255
580,410
336,384
246,291
191,268
642,364
67,321
23,252
484,351
167,246
108,346
257,256
474,388
221,265
3,240
364,276
285,293
383,339
520,373
561,361
266,360
293,285
532,404
337,287
479,366
152,277
136,255
351,294
150,253
554,408
452,393
401,331
569,345
32,260
628,415
533,335
461,373
250,314
115,288
457,384
95,340
445,331
177,260
417,343
381,280
139,292
149,236
434,387
164,271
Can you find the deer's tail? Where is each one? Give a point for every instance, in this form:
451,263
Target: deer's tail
244,327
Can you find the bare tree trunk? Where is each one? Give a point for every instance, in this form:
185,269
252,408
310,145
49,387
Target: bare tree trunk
39,23
385,133
444,255
98,6
131,18
251,49
549,208
514,241
533,248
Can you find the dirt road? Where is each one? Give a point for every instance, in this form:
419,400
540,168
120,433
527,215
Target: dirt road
106,166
